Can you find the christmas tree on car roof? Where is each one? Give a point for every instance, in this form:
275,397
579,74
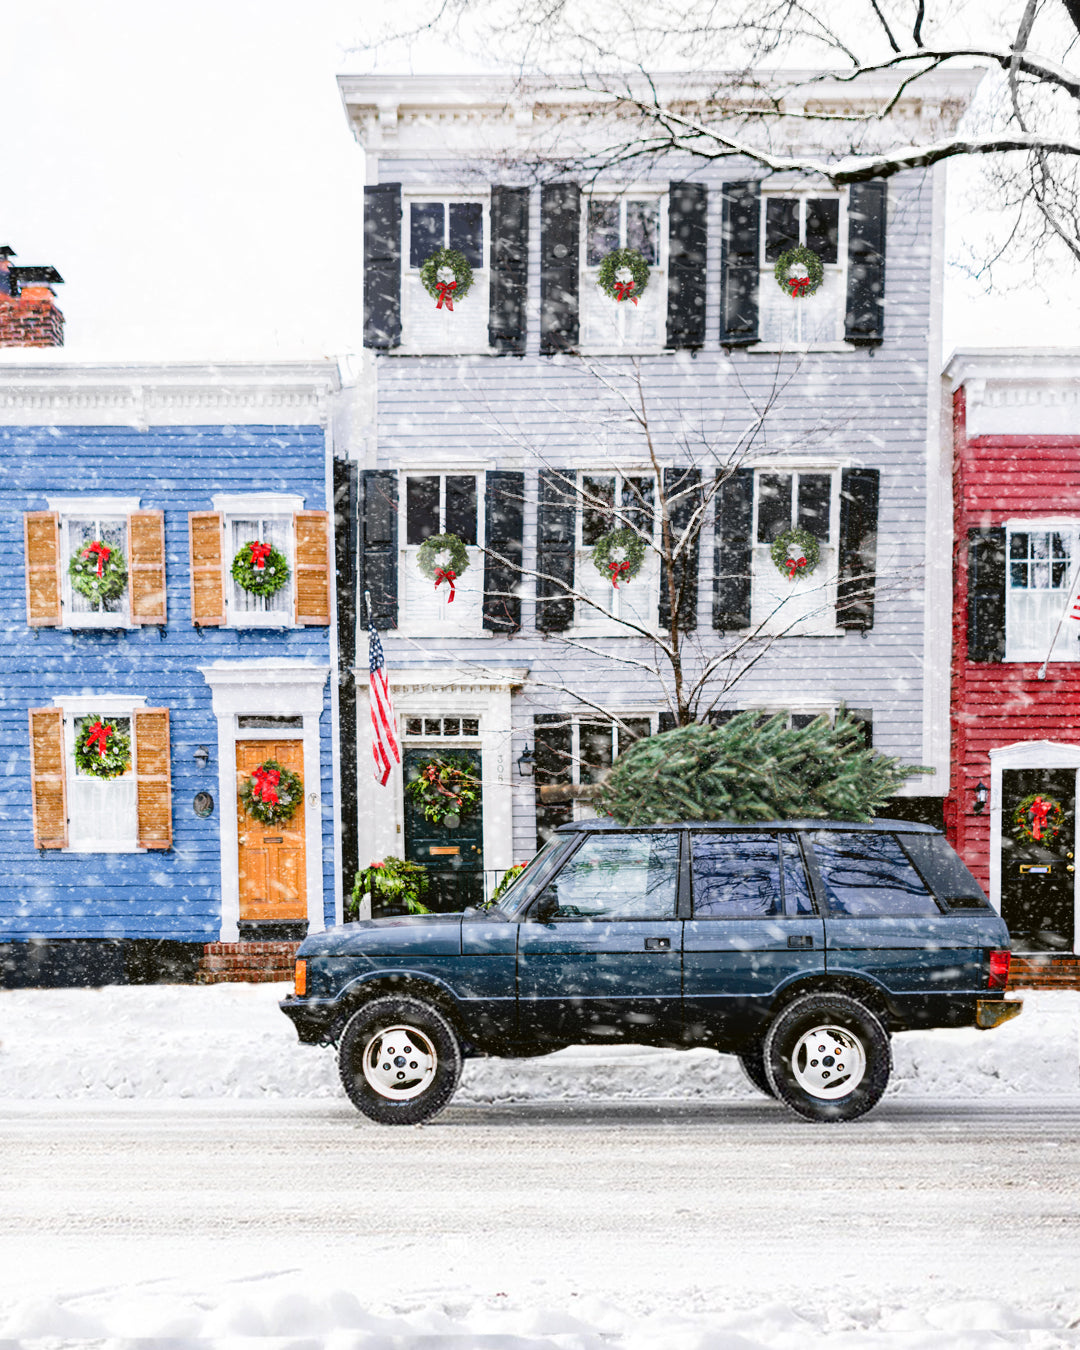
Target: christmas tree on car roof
753,769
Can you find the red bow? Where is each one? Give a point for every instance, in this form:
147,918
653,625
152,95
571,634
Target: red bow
617,569
264,786
624,290
798,285
446,574
259,555
794,565
445,289
431,773
99,736
1039,811
103,551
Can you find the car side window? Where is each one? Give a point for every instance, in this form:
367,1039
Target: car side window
797,897
736,876
867,875
619,876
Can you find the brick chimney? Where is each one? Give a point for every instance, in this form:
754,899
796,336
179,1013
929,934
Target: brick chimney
28,313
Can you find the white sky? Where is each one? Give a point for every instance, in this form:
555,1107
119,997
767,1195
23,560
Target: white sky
189,171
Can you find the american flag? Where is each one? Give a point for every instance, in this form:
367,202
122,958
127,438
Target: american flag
384,736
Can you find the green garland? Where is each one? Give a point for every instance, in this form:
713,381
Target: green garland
635,274
272,793
619,555
455,279
1054,820
266,580
430,561
394,881
809,551
445,786
101,748
799,256
505,882
83,571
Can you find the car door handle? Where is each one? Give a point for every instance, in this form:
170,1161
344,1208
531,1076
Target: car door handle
657,944
802,940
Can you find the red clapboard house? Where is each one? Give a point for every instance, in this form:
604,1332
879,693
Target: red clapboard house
1011,811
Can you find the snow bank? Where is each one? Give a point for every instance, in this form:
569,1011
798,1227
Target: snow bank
231,1041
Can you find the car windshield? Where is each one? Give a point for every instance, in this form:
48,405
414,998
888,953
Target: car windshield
520,891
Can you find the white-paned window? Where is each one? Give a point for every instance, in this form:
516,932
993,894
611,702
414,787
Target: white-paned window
795,601
439,504
626,221
430,223
820,224
608,501
94,530
573,756
101,811
1042,568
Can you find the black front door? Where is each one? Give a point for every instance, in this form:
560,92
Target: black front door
1037,863
453,854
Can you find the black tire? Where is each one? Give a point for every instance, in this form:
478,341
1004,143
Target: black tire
827,1058
752,1060
399,1084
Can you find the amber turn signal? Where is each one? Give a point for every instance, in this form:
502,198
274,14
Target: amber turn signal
301,978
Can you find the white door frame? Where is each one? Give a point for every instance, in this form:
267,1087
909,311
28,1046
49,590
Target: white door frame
269,686
1026,755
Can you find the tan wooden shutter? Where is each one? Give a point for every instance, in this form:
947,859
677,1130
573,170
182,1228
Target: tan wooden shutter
207,571
313,567
146,566
153,778
47,777
41,531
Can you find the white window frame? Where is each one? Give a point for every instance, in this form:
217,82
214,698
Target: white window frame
833,288
119,797
625,334
102,509
261,507
582,807
637,600
444,330
1067,644
805,607
424,609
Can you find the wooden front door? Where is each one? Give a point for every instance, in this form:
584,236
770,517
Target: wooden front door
272,857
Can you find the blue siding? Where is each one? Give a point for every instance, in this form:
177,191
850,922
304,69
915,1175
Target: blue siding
174,894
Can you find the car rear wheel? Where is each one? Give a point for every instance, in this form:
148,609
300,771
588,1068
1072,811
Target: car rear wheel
752,1060
399,1060
827,1057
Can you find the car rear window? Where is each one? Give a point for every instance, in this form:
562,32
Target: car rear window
868,875
945,872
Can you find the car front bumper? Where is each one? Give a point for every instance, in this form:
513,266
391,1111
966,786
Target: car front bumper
990,1013
312,1018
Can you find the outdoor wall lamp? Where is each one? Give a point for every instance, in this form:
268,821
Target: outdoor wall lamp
201,757
526,763
982,794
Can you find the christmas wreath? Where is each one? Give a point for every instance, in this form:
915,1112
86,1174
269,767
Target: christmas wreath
1038,819
272,793
447,276
260,568
799,271
623,274
445,789
98,571
618,556
101,748
443,557
795,552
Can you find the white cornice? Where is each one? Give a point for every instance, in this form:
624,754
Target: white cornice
1018,392
195,394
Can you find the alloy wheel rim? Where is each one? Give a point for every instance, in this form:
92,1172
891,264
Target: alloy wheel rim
828,1062
399,1063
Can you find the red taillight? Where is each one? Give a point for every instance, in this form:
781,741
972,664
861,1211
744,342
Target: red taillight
999,970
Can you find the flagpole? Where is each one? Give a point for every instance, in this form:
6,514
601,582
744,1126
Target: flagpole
1069,595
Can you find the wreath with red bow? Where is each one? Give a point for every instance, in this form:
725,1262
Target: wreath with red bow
260,568
446,789
102,750
1038,819
623,274
272,793
98,571
446,276
619,555
799,271
795,553
443,557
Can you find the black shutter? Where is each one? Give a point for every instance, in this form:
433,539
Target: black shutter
554,769
555,521
504,526
509,269
864,717
734,551
686,565
739,263
378,545
382,265
346,545
665,722
858,548
864,321
687,206
986,594
560,232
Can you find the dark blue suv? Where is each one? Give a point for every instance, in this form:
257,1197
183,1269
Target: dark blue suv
798,946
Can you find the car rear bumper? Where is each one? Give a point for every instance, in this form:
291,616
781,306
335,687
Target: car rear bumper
990,1013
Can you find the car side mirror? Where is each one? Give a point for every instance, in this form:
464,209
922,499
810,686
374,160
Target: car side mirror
546,907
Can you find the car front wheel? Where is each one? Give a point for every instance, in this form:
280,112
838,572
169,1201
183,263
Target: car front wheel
400,1060
827,1057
